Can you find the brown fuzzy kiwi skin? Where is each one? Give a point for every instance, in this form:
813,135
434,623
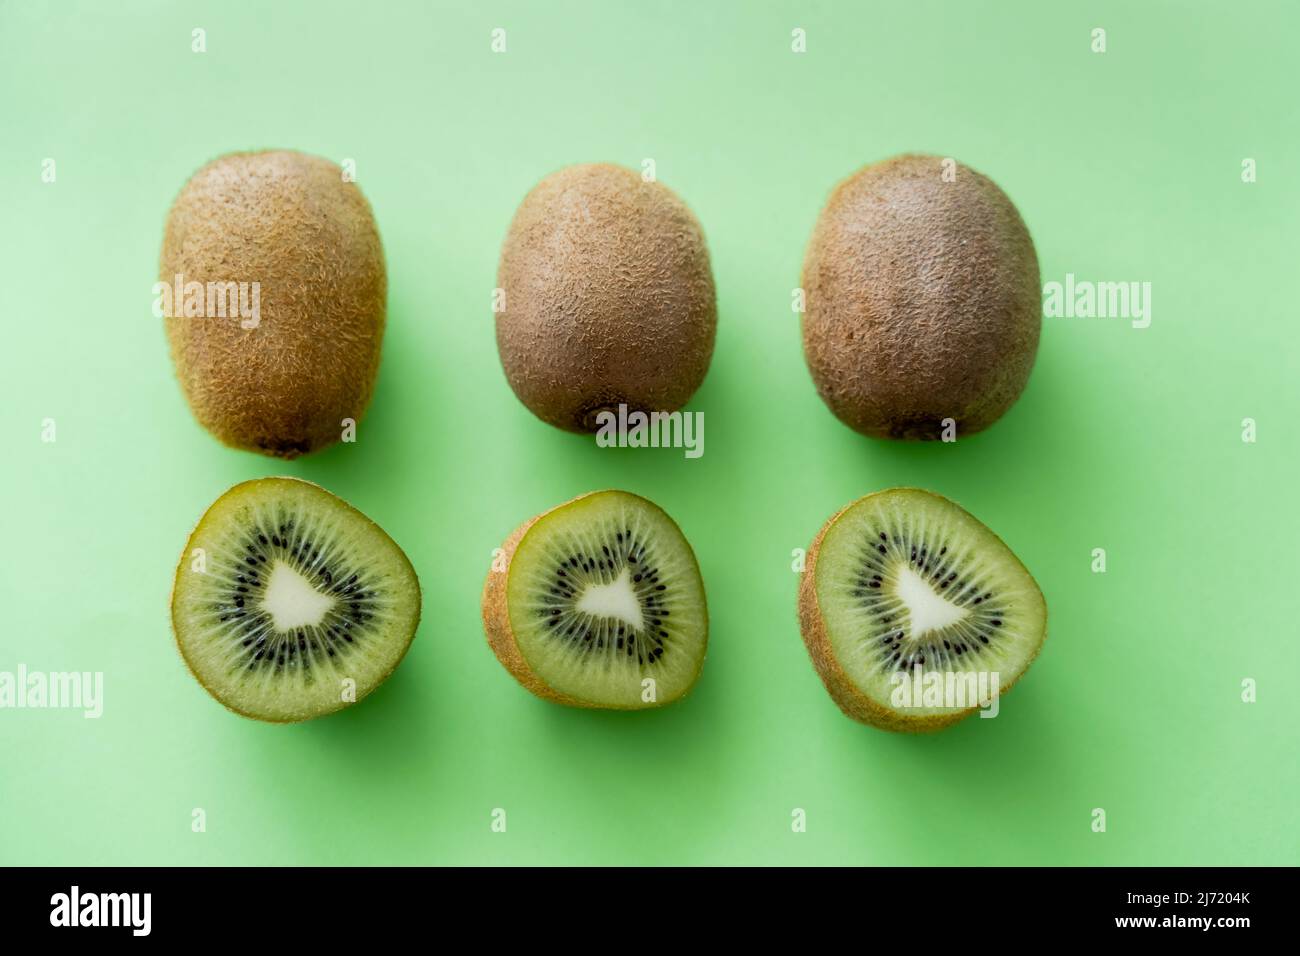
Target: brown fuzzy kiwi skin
501,635
289,222
182,564
846,695
609,297
923,300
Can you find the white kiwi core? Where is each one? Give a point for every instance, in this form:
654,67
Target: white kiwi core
615,599
926,610
291,600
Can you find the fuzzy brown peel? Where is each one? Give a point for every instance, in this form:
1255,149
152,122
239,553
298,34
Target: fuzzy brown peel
923,300
609,297
290,223
500,633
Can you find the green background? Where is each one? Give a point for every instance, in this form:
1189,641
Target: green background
1125,165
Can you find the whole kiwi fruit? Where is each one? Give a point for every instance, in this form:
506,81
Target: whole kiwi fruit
608,298
284,382
923,300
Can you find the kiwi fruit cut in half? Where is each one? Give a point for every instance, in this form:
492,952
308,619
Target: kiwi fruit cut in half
599,603
904,583
289,603
923,301
282,375
608,298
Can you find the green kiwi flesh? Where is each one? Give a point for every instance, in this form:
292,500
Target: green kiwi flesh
600,605
923,300
289,603
904,580
291,224
608,298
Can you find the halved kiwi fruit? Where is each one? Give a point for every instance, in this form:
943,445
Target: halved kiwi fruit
599,603
289,603
903,582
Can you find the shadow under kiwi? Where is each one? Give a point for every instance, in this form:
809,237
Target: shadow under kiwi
1033,446
984,778
386,444
635,750
389,732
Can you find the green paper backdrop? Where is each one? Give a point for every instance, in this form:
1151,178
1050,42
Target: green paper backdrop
1126,165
